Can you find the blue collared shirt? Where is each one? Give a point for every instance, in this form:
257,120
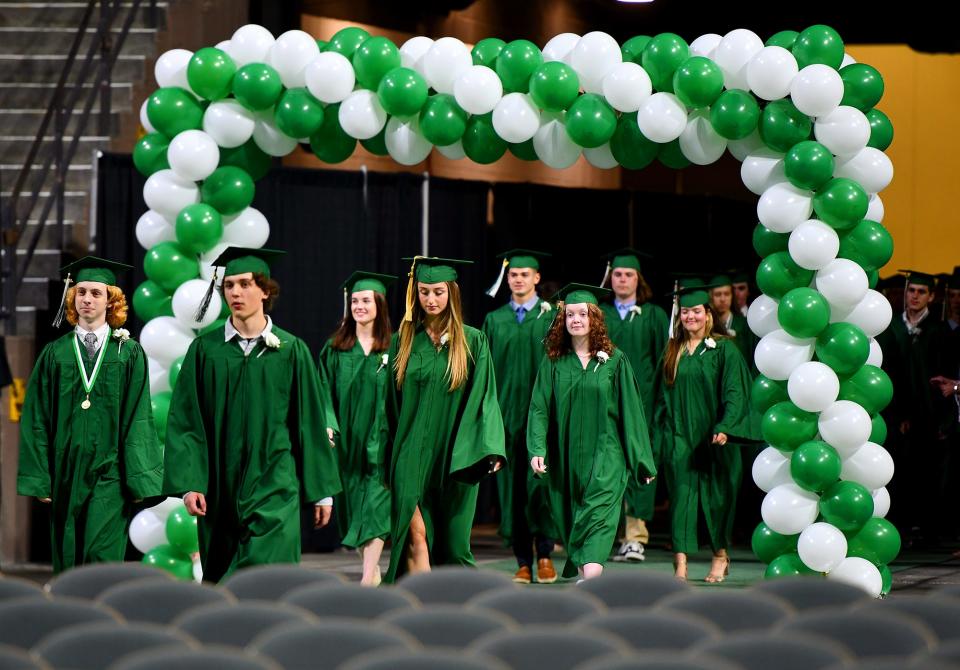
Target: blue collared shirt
527,306
623,308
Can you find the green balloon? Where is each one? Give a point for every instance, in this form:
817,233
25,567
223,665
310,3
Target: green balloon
216,326
169,265
846,505
229,190
785,39
347,40
377,145
862,86
248,157
631,147
199,227
485,51
766,242
844,347
803,312
698,82
150,154
160,405
766,392
873,278
322,45
330,143
767,544
672,156
170,559
878,432
151,301
516,63
818,44
815,466
869,387
298,114
886,580
782,125
442,120
210,73
878,542
868,244
523,150
257,86
786,426
808,165
591,121
402,92
735,114
182,531
661,58
374,58
841,203
787,565
172,110
881,130
554,86
174,373
778,274
632,49
481,142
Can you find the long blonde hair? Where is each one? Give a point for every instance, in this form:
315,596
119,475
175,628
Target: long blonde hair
116,307
677,343
449,322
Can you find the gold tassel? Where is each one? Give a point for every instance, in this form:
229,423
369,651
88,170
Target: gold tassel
408,313
492,291
606,275
62,310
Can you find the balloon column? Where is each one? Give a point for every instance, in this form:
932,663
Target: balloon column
798,112
167,536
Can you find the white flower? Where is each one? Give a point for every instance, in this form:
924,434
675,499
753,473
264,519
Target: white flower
122,334
544,308
443,339
636,310
383,362
710,343
602,357
271,340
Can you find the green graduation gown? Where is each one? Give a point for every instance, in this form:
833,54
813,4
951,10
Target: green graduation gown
357,384
516,348
744,338
249,432
92,463
711,394
642,337
589,426
440,444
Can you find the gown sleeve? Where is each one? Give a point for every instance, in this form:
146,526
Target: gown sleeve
320,475
142,451
185,458
634,433
538,417
734,387
33,470
328,381
391,415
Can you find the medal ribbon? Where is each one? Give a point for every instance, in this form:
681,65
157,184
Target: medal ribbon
88,382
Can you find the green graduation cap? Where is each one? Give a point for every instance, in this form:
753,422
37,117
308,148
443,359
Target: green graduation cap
953,282
238,260
574,294
517,258
722,280
368,281
917,277
627,257
691,294
429,270
88,268
740,277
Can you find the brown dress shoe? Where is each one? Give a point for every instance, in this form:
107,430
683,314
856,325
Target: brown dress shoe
523,575
545,572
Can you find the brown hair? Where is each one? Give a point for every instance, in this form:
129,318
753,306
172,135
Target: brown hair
644,292
558,341
450,322
677,343
267,285
345,336
116,307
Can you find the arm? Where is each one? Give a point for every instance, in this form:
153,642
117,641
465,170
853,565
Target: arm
634,433
734,400
185,458
538,416
328,380
142,452
319,472
33,470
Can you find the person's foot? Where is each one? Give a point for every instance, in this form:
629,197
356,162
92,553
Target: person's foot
629,551
680,567
546,574
523,575
719,569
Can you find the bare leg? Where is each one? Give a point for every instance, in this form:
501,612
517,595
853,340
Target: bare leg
418,554
591,570
719,567
370,553
680,566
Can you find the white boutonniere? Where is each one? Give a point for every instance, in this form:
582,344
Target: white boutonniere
602,357
635,311
271,341
544,308
444,339
709,343
121,335
383,362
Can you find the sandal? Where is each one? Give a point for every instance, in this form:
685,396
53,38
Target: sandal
716,576
680,567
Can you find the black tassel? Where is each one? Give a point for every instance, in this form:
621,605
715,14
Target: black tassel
207,297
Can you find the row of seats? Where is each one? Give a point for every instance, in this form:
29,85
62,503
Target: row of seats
129,616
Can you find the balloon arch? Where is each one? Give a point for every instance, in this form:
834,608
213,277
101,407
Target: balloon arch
797,111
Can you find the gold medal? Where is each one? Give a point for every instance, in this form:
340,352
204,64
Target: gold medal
85,404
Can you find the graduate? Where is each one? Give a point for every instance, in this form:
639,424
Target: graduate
515,332
88,445
247,443
445,429
586,430
356,371
704,402
638,328
741,292
730,319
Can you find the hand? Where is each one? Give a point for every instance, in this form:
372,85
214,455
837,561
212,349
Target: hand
945,385
720,438
196,504
45,500
330,436
321,515
649,480
495,465
538,465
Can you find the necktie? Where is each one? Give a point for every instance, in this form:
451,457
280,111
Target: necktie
521,311
90,342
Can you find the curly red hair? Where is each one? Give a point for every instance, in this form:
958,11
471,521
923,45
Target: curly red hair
116,307
558,341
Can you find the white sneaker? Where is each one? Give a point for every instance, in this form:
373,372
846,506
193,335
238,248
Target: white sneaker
630,551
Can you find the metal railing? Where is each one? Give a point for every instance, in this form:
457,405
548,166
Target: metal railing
16,210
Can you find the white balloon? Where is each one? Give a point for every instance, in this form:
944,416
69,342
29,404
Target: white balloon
250,44
699,142
413,51
762,169
881,502
842,282
224,46
516,118
193,155
206,262
813,244
152,229
813,386
478,89
858,572
165,339
783,207
445,60
762,315
817,90
559,47
601,157
847,60
705,45
594,57
788,509
162,510
249,228
843,131
269,138
159,377
845,426
778,354
870,465
551,143
876,354
453,151
662,117
361,115
186,300
870,167
405,143
770,73
171,69
291,54
626,86
822,547
751,144
872,314
875,209
147,531
733,53
167,193
144,119
330,77
771,469
229,123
